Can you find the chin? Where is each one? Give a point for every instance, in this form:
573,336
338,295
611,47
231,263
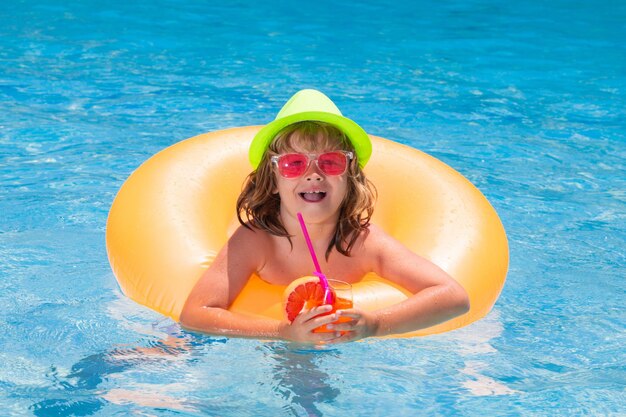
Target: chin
318,214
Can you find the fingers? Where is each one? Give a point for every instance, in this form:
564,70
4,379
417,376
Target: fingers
348,326
313,313
326,337
343,338
349,329
352,313
305,323
347,320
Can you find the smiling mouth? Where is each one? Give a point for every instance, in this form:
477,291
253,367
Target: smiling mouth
313,196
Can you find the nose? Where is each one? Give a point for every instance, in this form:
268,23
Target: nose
313,172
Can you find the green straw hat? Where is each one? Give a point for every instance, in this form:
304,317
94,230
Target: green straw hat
314,106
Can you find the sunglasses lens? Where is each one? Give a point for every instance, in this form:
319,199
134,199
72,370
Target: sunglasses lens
292,165
332,163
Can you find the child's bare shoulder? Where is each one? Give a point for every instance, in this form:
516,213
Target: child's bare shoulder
249,236
376,235
377,240
249,246
370,242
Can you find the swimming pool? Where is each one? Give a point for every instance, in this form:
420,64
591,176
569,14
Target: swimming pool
526,100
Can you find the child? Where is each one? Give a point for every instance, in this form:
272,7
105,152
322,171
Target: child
310,160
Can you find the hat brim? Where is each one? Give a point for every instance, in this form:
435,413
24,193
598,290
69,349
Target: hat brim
355,133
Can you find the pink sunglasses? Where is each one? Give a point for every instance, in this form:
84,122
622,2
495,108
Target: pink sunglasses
294,165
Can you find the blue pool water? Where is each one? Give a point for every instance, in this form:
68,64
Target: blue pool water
527,100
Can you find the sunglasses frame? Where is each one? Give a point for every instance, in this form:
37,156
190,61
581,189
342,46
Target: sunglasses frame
310,158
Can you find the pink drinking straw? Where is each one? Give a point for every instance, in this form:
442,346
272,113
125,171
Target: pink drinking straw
318,270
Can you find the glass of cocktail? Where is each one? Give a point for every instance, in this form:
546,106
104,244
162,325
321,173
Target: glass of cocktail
341,300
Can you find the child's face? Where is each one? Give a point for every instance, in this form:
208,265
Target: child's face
316,195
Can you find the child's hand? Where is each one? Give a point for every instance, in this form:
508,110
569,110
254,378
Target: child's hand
301,329
362,324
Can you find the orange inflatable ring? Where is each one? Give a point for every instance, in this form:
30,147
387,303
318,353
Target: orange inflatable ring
177,210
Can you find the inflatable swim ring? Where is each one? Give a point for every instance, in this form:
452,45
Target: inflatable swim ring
176,211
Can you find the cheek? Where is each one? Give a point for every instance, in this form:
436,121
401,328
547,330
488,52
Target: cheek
282,186
342,189
278,184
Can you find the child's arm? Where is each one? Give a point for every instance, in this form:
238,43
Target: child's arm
436,298
206,308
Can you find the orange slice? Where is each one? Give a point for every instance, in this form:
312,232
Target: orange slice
301,295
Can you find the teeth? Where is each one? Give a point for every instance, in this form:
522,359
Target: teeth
313,196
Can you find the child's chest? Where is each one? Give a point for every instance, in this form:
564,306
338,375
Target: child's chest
282,270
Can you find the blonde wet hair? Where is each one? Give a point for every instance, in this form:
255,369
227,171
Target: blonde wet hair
258,205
